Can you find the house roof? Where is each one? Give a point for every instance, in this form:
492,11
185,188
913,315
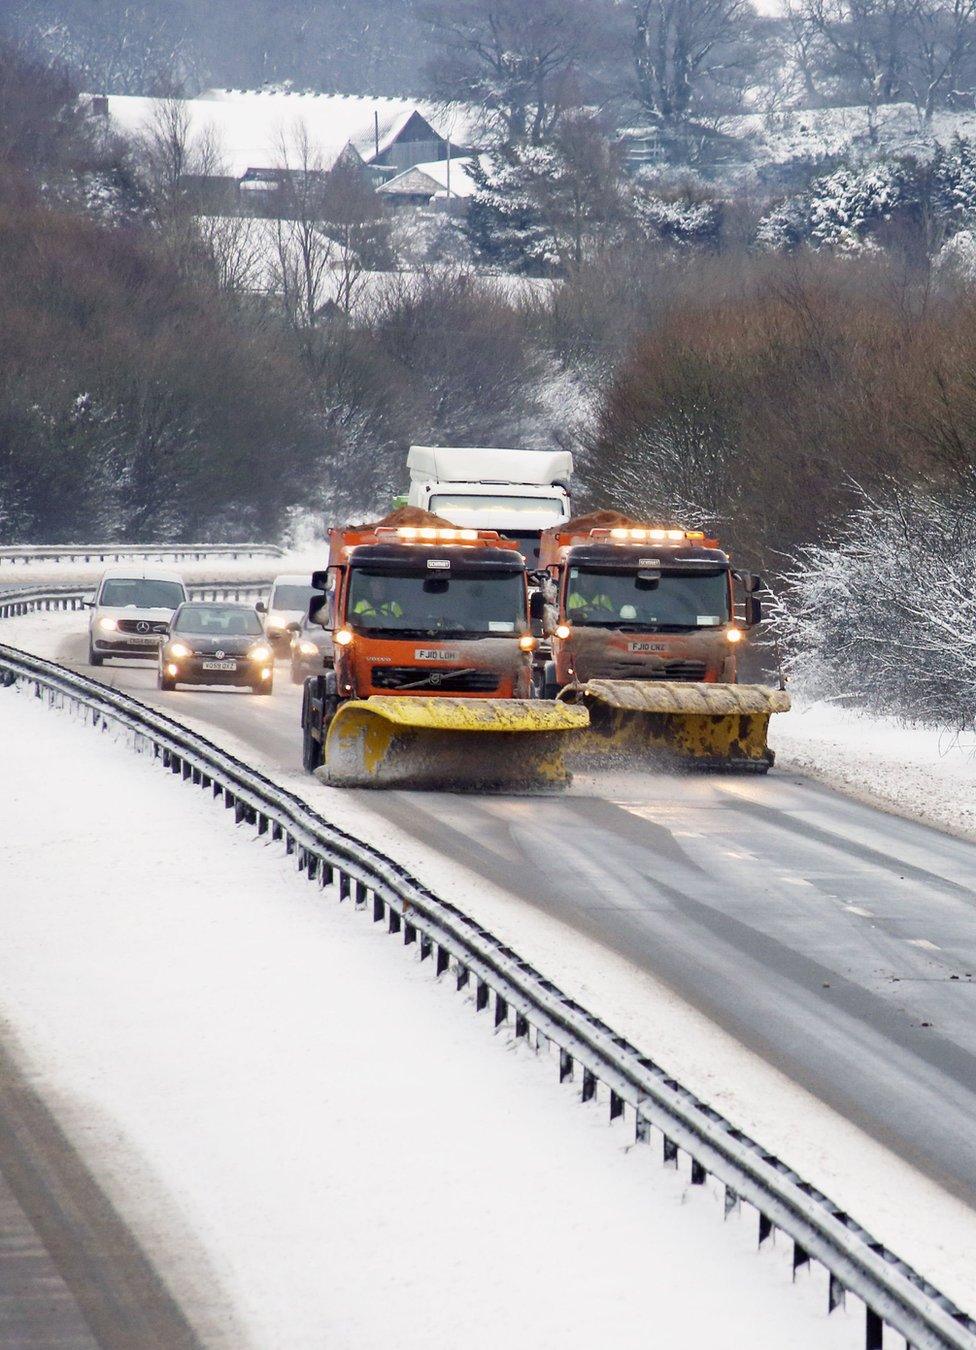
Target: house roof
431,179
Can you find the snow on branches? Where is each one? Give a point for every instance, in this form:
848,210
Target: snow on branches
885,613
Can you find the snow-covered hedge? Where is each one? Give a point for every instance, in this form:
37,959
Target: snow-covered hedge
844,210
885,613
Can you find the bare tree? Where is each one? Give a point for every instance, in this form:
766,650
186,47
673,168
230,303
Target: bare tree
305,253
520,59
940,53
855,46
693,55
172,156
120,46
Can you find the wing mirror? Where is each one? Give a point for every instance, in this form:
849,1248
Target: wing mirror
294,627
261,607
537,604
753,609
89,601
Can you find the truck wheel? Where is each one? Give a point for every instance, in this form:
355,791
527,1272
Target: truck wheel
548,686
313,739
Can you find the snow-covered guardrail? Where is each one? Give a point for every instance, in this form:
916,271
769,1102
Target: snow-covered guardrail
514,994
11,554
26,600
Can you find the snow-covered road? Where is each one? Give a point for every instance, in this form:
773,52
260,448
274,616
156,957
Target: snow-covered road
788,952
316,1143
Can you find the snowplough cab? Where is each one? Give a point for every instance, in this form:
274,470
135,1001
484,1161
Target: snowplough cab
432,681
646,637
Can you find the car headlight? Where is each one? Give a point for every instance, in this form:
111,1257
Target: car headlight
262,652
180,650
308,649
527,642
110,625
342,636
733,635
563,631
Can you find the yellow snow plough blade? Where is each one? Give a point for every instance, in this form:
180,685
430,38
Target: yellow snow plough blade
390,740
709,726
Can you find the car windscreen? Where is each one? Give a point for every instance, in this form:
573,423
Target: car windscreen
218,621
427,604
136,593
291,597
658,601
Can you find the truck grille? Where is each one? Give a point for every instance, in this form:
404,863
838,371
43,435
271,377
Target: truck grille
446,681
677,670
144,627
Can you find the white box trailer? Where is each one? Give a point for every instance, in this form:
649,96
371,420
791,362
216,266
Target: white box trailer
520,493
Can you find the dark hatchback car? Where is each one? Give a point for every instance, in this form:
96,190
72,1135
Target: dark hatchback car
216,644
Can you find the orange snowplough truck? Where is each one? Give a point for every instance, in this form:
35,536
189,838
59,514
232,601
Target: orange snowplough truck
432,677
642,621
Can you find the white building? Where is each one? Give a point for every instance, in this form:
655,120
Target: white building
245,141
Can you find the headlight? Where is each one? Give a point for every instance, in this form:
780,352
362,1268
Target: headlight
308,649
179,650
109,625
733,635
527,642
342,636
262,652
563,630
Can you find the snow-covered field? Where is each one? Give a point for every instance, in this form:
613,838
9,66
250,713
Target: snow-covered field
317,1143
916,771
814,133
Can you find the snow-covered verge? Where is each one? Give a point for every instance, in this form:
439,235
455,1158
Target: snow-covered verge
917,771
317,1143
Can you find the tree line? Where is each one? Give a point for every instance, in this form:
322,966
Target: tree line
527,60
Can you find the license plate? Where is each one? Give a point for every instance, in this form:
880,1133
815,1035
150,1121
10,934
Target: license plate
144,641
648,647
220,665
436,654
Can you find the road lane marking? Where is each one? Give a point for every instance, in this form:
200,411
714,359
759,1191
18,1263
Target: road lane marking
923,942
861,913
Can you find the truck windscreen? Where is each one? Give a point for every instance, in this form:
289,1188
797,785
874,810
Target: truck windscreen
529,542
486,504
671,600
425,604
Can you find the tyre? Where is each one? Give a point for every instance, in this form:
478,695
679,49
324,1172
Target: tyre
95,658
312,756
547,685
319,703
264,687
167,683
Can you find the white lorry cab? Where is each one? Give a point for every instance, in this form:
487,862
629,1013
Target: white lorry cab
520,493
